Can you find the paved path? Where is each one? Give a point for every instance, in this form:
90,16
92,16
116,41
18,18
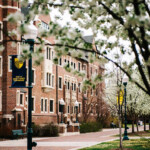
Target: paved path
72,142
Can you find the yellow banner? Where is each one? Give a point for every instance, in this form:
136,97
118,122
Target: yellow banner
120,97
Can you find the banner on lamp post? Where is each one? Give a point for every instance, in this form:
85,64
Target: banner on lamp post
18,73
120,97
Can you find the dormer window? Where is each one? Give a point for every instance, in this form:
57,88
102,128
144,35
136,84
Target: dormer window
48,53
45,25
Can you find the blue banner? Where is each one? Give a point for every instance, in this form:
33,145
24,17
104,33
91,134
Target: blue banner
18,73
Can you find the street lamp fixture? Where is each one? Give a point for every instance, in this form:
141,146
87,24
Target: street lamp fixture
30,37
125,81
62,103
76,106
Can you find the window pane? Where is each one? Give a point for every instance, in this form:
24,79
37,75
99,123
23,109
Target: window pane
60,83
32,104
41,104
21,99
32,76
45,105
51,105
68,109
10,64
52,80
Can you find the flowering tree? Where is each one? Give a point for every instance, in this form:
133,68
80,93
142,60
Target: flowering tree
127,22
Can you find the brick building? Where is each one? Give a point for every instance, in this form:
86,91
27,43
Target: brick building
50,82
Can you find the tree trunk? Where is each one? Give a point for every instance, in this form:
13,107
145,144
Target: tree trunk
120,132
137,126
144,123
132,126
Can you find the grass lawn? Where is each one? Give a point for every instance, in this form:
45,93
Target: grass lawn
136,144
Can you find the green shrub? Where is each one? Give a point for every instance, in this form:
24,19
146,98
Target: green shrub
90,127
49,130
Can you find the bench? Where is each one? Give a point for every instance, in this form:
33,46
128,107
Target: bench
17,133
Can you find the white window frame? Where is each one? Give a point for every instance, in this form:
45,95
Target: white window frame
48,53
26,100
53,105
0,100
52,81
1,32
68,109
17,97
1,67
46,111
60,64
33,83
79,66
33,104
22,99
80,108
9,70
48,79
61,83
43,104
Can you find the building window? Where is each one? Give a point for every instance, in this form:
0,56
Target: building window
45,105
51,109
84,67
42,105
9,63
59,107
21,99
60,83
48,79
65,60
71,63
48,53
52,80
68,109
1,31
78,66
45,25
74,87
79,108
1,66
68,87
33,76
32,104
79,87
60,61
68,63
0,100
74,66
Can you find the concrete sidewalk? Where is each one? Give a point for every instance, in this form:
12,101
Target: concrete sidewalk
72,142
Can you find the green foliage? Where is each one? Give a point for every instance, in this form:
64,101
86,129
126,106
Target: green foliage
49,130
90,127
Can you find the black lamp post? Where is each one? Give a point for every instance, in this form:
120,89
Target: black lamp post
76,106
125,81
62,103
30,37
